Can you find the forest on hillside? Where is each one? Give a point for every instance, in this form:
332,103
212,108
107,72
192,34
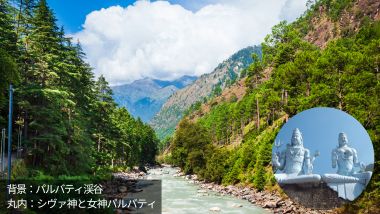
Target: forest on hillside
232,143
68,122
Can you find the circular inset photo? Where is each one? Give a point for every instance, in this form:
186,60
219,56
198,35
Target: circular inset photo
323,158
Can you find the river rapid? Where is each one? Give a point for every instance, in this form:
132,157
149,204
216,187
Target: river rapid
181,196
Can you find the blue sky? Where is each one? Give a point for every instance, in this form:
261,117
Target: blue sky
72,13
320,128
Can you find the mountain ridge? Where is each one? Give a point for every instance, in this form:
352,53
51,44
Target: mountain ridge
144,97
207,85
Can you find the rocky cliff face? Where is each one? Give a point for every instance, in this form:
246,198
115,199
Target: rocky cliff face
224,75
326,24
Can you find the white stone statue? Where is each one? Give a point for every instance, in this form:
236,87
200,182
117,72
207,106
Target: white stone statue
295,162
345,157
350,179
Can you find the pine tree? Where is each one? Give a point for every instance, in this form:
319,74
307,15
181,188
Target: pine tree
259,178
8,52
44,102
8,37
103,129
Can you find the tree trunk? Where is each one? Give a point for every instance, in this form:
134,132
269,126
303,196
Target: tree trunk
286,97
99,144
308,89
26,125
258,113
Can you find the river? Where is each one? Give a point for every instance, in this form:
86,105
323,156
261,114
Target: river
179,196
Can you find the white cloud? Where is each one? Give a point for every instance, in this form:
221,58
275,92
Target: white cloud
163,40
292,9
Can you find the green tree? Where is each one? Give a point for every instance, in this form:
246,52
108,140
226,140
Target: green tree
190,146
8,52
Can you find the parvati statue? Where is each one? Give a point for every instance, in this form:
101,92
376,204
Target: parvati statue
351,177
344,156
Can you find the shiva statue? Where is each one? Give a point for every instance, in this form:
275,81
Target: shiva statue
295,161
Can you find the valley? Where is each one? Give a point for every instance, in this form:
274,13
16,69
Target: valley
144,98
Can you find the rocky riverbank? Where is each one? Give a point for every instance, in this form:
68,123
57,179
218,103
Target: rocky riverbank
270,201
132,175
265,199
122,185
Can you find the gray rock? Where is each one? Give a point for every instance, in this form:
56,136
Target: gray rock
122,189
270,204
215,209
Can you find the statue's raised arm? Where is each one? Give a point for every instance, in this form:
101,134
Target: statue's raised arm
278,160
355,157
308,167
334,158
358,163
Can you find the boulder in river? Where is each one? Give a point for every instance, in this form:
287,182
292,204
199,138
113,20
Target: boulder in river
215,209
122,189
202,191
237,205
142,168
136,190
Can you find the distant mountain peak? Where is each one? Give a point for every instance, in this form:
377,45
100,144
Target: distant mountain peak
144,97
179,83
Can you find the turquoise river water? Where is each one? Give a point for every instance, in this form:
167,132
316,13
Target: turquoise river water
180,196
